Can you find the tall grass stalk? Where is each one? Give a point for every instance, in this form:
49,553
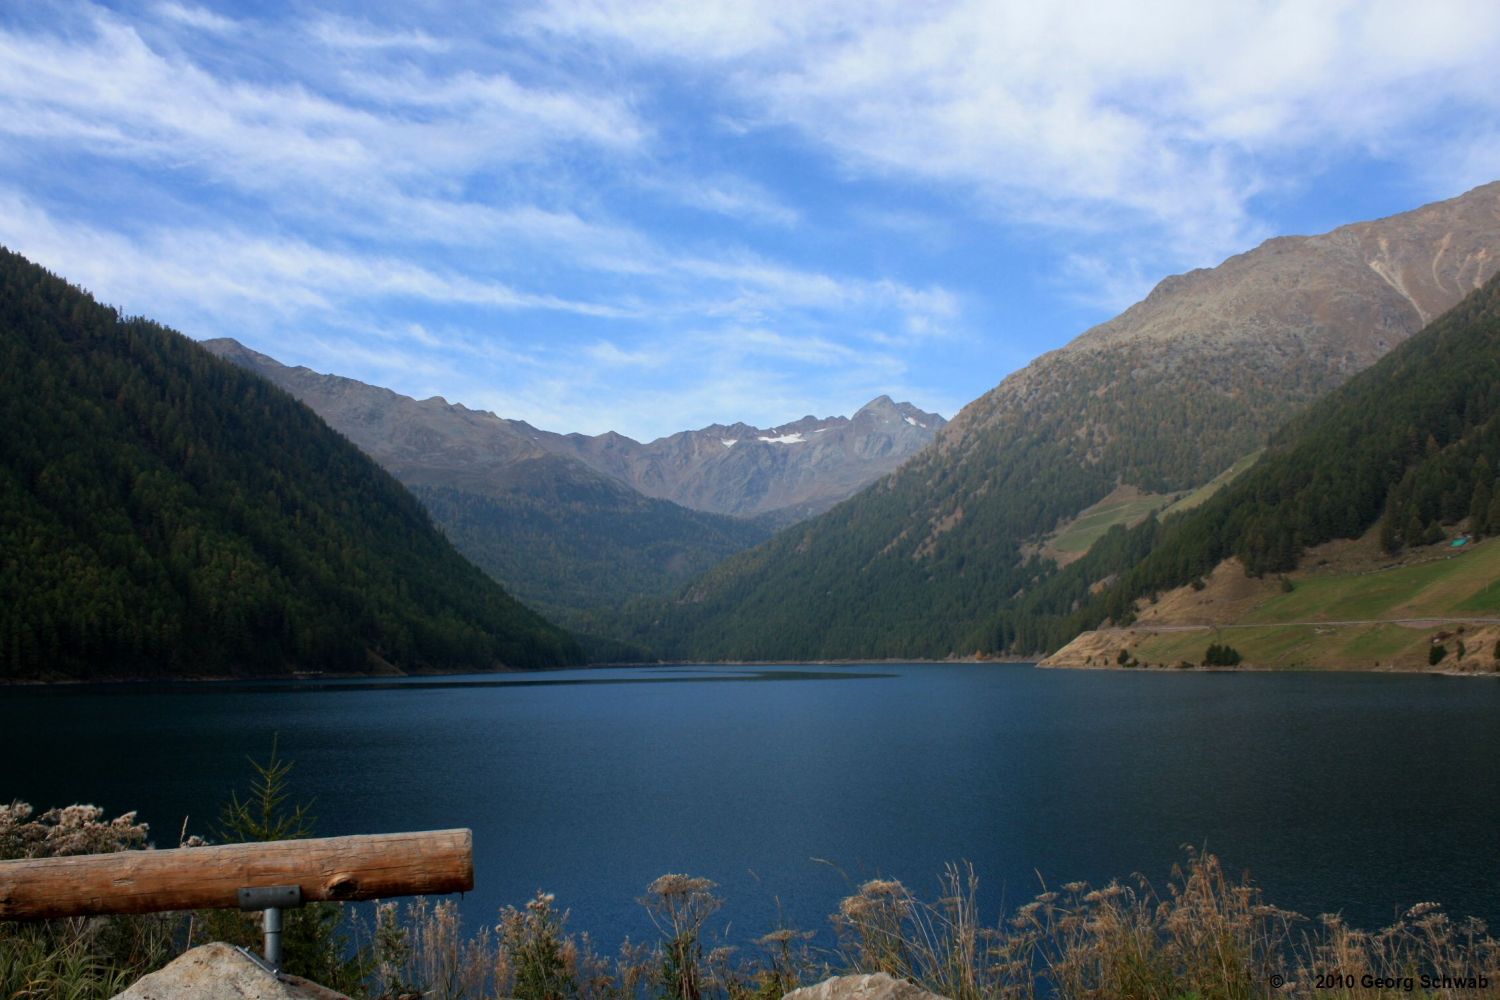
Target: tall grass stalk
1208,936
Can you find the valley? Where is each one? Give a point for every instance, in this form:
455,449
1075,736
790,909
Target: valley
645,500
1121,466
580,526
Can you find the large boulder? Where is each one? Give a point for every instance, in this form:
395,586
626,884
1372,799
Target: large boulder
222,972
874,986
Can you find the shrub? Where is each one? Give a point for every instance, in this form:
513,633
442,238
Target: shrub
1218,655
82,958
66,831
534,939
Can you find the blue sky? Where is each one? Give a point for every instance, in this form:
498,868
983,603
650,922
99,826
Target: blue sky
651,216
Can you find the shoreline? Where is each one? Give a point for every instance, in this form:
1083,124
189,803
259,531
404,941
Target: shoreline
1165,668
34,682
1037,662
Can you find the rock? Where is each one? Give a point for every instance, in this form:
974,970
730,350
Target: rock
221,972
876,986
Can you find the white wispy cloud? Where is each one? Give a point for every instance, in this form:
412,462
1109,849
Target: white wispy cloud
702,377
659,213
196,17
1166,117
113,91
346,33
731,196
244,273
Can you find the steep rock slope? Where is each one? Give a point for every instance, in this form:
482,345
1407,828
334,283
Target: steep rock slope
785,474
928,561
163,513
563,537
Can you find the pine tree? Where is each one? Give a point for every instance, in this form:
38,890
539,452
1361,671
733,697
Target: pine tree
1412,536
1480,500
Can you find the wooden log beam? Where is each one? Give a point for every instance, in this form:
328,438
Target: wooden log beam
190,878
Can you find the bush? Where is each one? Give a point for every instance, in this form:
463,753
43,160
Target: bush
88,958
1218,655
1435,654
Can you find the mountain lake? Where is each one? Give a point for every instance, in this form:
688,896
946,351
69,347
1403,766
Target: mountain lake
789,785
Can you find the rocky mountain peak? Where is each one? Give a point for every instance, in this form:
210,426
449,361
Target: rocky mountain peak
1273,327
789,471
786,472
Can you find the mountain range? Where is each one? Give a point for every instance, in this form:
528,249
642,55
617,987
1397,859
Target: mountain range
936,558
577,525
166,512
781,474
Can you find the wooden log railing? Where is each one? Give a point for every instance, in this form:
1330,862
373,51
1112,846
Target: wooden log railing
190,878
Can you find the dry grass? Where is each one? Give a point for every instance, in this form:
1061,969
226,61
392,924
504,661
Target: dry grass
1206,937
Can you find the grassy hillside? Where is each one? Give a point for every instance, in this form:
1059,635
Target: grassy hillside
1202,494
163,513
1463,582
1126,508
1388,618
1406,447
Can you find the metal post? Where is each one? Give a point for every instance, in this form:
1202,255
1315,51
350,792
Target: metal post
270,900
273,937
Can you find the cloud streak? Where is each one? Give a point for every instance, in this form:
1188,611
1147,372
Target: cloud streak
1170,117
646,216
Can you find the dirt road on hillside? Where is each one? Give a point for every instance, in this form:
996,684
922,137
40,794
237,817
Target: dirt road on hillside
1428,622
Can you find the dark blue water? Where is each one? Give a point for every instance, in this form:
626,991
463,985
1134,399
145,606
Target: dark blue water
1359,793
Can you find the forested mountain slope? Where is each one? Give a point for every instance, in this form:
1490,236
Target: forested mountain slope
163,513
929,561
566,539
1412,445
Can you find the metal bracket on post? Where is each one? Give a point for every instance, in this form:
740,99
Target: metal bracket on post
272,899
